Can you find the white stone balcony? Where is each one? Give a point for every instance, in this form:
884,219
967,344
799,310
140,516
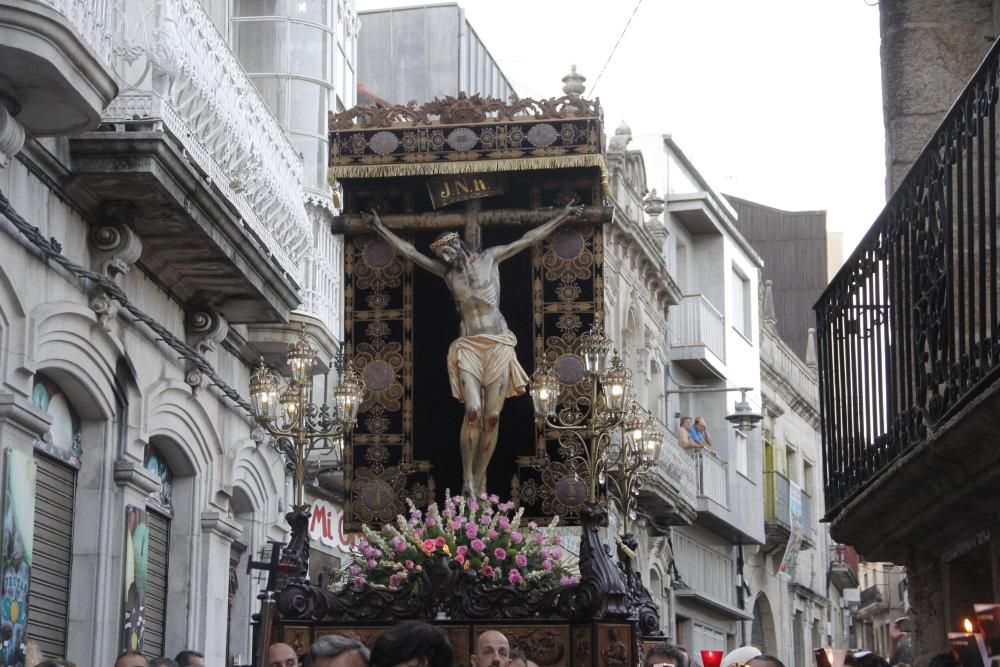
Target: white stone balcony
204,152
55,66
669,495
698,337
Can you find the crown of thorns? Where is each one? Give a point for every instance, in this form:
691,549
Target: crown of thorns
444,240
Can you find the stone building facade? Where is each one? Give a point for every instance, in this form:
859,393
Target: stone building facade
161,232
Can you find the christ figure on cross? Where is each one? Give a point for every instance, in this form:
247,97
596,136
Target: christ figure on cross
482,365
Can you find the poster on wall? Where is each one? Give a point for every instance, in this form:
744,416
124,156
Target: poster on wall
18,538
136,563
791,558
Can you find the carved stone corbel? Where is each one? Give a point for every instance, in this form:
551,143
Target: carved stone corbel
11,137
206,328
117,247
105,307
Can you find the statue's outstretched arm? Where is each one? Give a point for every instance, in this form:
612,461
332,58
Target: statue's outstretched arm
571,210
406,248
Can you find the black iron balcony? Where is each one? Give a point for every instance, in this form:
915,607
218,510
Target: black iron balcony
780,514
908,330
844,566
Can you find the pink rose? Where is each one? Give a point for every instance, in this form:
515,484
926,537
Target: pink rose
547,565
394,580
418,533
557,554
398,543
477,545
440,541
516,537
500,553
372,563
408,564
431,521
521,560
460,558
428,547
487,571
471,530
539,538
462,550
485,519
515,577
354,570
492,534
494,498
504,524
360,581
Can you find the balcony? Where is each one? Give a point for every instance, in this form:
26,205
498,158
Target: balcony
844,566
55,64
778,515
698,337
872,603
670,492
214,186
908,341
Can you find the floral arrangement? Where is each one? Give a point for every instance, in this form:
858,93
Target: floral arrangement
478,533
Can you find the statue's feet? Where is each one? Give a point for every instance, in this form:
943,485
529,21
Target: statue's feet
469,490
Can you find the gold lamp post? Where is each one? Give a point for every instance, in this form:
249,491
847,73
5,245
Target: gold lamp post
304,432
606,433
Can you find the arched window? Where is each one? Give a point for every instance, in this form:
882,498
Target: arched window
57,460
159,511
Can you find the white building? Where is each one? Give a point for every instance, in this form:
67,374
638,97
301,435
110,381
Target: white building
180,219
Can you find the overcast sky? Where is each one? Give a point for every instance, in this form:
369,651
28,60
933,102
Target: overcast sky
777,101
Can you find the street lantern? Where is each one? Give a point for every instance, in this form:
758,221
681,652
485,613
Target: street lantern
264,393
744,419
617,383
544,392
347,396
652,441
594,348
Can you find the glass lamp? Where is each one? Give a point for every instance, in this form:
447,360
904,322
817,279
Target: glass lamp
289,402
301,360
594,348
264,393
348,395
617,383
652,441
544,391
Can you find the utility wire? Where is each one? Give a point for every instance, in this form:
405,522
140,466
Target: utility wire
614,48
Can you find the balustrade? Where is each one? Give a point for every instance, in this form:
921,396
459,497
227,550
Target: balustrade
698,322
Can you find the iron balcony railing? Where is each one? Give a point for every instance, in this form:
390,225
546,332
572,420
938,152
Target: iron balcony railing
778,504
711,475
846,556
908,328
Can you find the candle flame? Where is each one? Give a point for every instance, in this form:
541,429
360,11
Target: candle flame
968,625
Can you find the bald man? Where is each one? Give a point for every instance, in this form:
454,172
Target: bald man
492,650
282,655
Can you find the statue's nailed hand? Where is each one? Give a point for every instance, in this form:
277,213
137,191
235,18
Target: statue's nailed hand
371,218
573,209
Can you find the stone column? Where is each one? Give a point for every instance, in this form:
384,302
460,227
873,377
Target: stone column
218,533
930,49
927,599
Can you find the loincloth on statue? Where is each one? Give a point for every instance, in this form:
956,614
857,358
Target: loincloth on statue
488,358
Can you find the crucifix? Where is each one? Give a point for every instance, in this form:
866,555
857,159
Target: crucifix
482,365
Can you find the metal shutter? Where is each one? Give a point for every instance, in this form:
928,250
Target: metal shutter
52,555
156,584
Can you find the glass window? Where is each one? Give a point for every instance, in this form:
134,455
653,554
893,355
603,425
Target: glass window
314,158
310,10
741,303
261,46
309,51
64,437
258,7
275,93
153,462
308,107
742,458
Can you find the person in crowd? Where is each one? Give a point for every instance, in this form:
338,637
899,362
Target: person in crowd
665,653
131,659
765,660
865,659
700,437
189,658
900,645
492,650
337,651
58,662
944,660
740,656
282,655
412,643
163,662
518,658
684,433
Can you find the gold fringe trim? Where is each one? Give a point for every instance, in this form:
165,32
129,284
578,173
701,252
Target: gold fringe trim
469,167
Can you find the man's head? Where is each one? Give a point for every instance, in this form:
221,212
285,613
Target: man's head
190,659
282,655
686,422
518,658
162,662
412,644
765,660
699,423
666,654
337,651
131,659
450,249
492,648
